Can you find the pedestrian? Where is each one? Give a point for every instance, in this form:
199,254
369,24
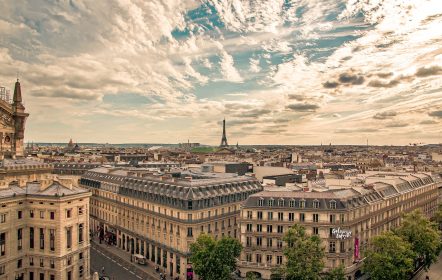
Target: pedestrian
102,270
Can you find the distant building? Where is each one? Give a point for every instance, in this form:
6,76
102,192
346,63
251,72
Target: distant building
282,180
73,168
71,147
188,145
239,168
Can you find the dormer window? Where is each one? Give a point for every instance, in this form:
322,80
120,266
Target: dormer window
261,202
271,202
281,202
292,203
315,204
302,203
332,204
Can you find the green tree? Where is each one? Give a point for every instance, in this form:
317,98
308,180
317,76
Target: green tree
251,276
304,254
423,236
389,257
437,218
214,259
337,273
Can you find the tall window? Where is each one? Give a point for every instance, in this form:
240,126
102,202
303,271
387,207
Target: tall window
52,215
315,218
332,247
68,213
261,202
271,200
315,230
248,241
69,237
259,215
280,229
249,214
31,238
249,227
2,243
19,239
42,238
3,218
80,233
269,216
291,217
278,260
31,213
19,214
301,217
280,216
52,239
281,202
279,243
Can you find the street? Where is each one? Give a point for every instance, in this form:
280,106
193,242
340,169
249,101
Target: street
113,268
435,271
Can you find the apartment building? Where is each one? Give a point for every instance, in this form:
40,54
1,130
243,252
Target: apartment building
345,219
159,216
43,224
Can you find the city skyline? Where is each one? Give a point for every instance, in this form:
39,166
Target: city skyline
280,72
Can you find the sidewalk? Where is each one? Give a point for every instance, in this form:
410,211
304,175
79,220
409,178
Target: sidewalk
147,271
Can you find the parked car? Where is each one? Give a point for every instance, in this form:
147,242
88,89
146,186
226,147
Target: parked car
139,259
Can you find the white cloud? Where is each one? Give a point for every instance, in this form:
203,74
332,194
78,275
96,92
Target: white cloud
228,70
254,65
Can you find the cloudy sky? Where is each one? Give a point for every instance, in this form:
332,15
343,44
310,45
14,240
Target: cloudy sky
279,71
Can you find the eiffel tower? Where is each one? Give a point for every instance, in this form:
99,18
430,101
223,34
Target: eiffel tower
224,138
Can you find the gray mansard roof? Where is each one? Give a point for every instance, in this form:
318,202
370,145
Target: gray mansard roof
206,191
377,187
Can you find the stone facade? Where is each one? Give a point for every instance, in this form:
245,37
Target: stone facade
44,230
160,217
345,219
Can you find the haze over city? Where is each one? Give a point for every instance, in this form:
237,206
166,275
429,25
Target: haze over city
280,72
